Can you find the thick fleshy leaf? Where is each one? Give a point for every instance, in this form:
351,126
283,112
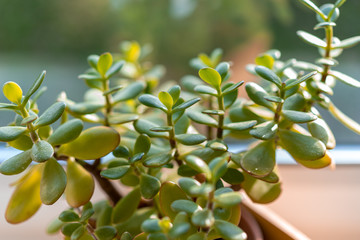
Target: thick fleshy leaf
12,91
296,102
264,131
175,92
41,151
115,68
115,172
300,80
345,78
348,122
53,182
142,144
311,39
10,133
268,75
122,118
228,199
149,186
85,107
25,201
313,7
203,218
229,231
233,176
51,114
170,192
180,226
54,226
299,117
302,147
34,87
105,232
183,205
80,185
347,43
187,184
129,92
166,99
152,101
104,63
232,88
69,228
259,160
202,118
66,132
93,143
127,206
190,139
16,164
240,126
274,99
199,165
257,94
23,143
210,76
149,128
218,166
223,69
204,89
69,216
320,130
158,160
317,164
186,104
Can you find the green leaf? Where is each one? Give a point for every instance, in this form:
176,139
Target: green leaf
69,216
190,82
93,143
199,165
51,114
299,117
104,63
181,225
320,130
129,92
345,78
240,126
170,192
115,68
186,105
166,99
53,182
232,88
203,218
149,186
151,225
190,139
145,126
54,226
34,88
265,60
16,164
264,131
122,118
268,75
314,8
10,133
162,129
300,146
307,66
259,160
41,151
311,39
85,107
174,91
202,118
233,176
93,60
223,69
229,231
28,119
152,101
187,184
87,212
80,185
218,166
115,172
25,201
198,236
210,76
158,160
228,199
183,205
256,93
78,233
137,157
105,232
295,102
8,106
203,89
22,143
348,122
66,132
127,206
300,80
69,228
214,112
142,144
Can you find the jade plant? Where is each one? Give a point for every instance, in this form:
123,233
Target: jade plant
166,145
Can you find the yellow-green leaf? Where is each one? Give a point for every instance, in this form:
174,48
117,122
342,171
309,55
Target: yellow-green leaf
104,63
80,185
16,164
210,76
166,99
126,207
10,133
93,143
170,192
12,92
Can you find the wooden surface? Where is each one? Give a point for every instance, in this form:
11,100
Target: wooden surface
324,204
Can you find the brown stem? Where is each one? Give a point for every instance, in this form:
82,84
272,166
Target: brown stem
172,139
209,129
220,130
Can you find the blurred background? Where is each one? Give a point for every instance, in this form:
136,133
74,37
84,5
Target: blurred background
59,35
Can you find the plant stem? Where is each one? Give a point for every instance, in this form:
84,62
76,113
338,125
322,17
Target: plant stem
108,106
220,99
33,135
329,38
280,105
172,139
209,132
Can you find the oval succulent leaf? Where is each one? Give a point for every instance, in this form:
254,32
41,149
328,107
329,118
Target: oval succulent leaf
115,68
210,76
158,160
129,92
345,78
145,126
93,143
13,92
240,126
347,43
229,231
299,117
170,192
80,185
264,131
268,75
203,89
202,118
257,94
166,99
190,139
316,164
199,165
104,63
302,147
320,130
203,218
348,122
16,164
152,101
66,132
311,39
34,87
106,232
183,205
186,104
149,186
259,160
274,99
53,182
85,107
41,151
126,207
228,199
142,144
300,80
223,69
51,114
10,133
174,91
115,172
